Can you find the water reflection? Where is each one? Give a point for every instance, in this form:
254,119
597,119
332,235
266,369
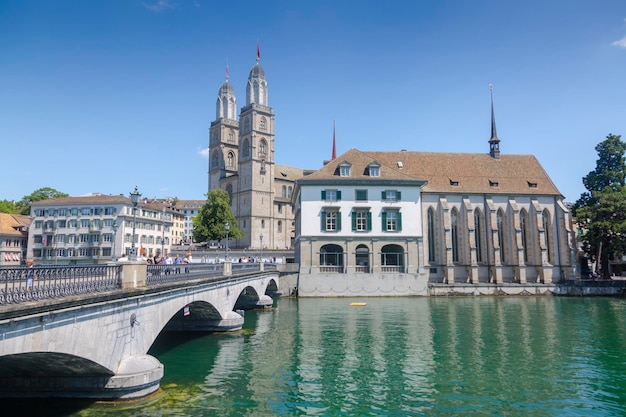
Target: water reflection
514,356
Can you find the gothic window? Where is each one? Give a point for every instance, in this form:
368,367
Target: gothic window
454,226
548,235
289,189
478,233
501,233
523,224
231,136
283,193
262,124
280,226
431,235
262,148
246,148
215,159
230,160
246,124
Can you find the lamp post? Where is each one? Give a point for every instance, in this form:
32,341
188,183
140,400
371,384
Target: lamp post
227,228
163,233
134,198
114,228
261,250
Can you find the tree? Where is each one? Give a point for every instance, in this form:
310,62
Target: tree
600,212
210,222
45,193
9,207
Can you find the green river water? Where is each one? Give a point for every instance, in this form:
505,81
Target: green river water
469,356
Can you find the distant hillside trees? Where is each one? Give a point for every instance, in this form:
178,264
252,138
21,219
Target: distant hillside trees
23,206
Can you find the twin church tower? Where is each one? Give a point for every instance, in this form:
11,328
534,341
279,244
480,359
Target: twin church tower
241,161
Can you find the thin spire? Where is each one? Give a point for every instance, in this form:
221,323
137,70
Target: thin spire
227,69
494,142
258,51
334,143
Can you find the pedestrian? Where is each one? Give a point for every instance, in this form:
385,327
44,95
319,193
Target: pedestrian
177,261
30,274
167,261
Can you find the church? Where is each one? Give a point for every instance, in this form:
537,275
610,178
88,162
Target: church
372,223
241,161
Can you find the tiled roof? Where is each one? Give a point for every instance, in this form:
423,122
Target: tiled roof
98,198
284,172
449,172
10,224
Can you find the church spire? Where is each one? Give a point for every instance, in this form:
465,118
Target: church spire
334,143
494,142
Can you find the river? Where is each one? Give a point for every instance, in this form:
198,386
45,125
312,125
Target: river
443,356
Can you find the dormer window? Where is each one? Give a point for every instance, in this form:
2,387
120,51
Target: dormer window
532,184
374,170
454,183
493,183
344,170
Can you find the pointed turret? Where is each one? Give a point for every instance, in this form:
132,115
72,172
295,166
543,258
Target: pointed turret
494,142
256,90
226,101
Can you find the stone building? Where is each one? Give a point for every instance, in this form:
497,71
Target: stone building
241,161
393,223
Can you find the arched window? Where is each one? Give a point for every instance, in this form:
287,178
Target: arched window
246,124
478,233
230,161
392,257
245,151
280,226
229,190
289,191
362,258
262,224
501,233
548,235
454,229
262,148
283,193
215,159
523,224
431,235
331,256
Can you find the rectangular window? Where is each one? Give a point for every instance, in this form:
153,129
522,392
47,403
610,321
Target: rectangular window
84,223
60,238
330,221
38,224
331,195
391,195
84,238
361,221
85,211
361,195
62,223
392,221
63,212
344,170
374,171
109,211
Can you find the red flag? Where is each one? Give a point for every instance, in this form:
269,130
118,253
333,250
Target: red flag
258,51
334,143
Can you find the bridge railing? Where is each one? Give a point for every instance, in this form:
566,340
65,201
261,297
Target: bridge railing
21,284
37,283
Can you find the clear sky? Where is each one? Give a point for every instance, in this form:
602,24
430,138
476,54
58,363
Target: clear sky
103,95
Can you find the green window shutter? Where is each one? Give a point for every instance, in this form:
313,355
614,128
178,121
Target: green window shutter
338,221
338,195
384,221
323,194
399,221
383,195
323,221
354,221
398,195
369,221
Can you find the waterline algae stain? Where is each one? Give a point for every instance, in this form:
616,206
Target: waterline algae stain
479,356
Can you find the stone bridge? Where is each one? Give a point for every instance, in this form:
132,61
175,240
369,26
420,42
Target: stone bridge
96,346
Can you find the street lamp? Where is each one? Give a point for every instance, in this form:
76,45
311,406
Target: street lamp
261,252
227,228
163,233
114,228
134,198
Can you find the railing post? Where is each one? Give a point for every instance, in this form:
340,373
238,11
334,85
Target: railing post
228,269
261,266
133,275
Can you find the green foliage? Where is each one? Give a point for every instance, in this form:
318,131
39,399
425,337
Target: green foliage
210,222
9,207
45,193
600,212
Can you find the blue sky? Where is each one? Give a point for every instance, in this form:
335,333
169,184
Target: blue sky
100,96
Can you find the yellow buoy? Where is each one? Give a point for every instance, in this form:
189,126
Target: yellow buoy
358,304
